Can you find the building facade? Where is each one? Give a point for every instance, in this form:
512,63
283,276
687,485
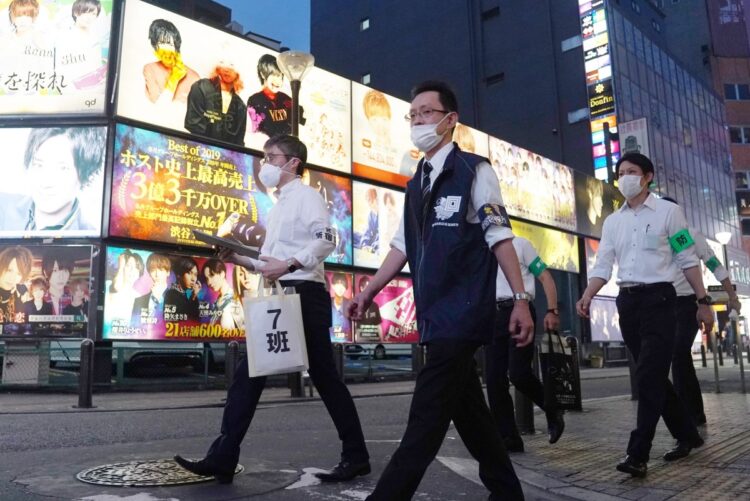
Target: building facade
521,70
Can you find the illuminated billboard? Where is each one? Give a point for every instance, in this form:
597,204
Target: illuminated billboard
610,289
601,94
55,56
392,316
471,140
376,217
186,76
559,250
163,187
595,200
52,181
44,290
381,144
152,295
340,288
534,187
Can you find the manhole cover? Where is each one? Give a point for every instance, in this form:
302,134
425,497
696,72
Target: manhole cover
142,474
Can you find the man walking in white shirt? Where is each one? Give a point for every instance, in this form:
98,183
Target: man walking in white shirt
683,371
650,240
298,239
505,359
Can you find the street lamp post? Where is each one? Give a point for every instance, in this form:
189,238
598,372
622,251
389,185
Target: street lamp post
724,237
295,65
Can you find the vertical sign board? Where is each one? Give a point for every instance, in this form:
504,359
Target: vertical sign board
598,64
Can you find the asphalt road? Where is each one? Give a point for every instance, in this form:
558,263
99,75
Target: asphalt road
41,453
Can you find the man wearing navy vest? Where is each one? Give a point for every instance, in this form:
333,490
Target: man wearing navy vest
454,232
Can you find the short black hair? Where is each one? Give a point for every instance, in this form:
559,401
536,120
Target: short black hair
267,66
182,265
215,266
84,7
445,94
638,159
89,146
163,31
62,257
339,277
292,147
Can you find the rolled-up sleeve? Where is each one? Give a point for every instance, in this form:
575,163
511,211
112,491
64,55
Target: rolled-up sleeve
323,236
605,256
706,254
485,196
398,241
685,256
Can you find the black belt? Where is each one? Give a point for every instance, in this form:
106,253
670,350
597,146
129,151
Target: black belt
637,289
505,303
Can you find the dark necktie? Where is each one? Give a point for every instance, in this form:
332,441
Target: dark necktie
426,169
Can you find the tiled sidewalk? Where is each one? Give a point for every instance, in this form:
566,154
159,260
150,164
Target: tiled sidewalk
582,464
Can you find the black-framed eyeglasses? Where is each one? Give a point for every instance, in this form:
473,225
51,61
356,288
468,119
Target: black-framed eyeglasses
268,156
425,114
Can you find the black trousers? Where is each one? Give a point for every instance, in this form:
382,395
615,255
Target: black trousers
683,371
503,359
648,323
245,392
448,388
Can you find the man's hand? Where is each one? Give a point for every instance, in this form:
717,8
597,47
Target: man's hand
274,268
521,325
582,306
551,322
705,316
358,306
734,304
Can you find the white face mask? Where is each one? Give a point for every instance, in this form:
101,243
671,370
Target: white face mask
425,137
630,186
270,174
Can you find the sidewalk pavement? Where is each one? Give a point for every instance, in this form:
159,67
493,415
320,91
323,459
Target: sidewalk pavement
580,466
17,402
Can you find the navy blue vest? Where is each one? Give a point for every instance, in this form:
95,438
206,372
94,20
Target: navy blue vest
452,268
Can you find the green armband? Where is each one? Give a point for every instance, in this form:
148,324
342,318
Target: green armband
537,266
712,264
681,241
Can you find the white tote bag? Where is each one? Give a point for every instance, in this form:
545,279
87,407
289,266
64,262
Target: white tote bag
275,335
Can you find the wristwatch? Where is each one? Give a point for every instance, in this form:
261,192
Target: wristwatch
554,311
521,296
291,266
706,300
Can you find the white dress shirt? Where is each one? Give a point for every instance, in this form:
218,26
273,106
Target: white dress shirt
298,227
526,255
639,241
705,253
484,190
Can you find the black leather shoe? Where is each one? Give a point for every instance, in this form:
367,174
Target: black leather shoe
682,449
345,471
555,426
635,468
204,470
513,444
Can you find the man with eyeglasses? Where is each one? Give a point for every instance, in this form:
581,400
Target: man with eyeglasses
298,240
454,232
